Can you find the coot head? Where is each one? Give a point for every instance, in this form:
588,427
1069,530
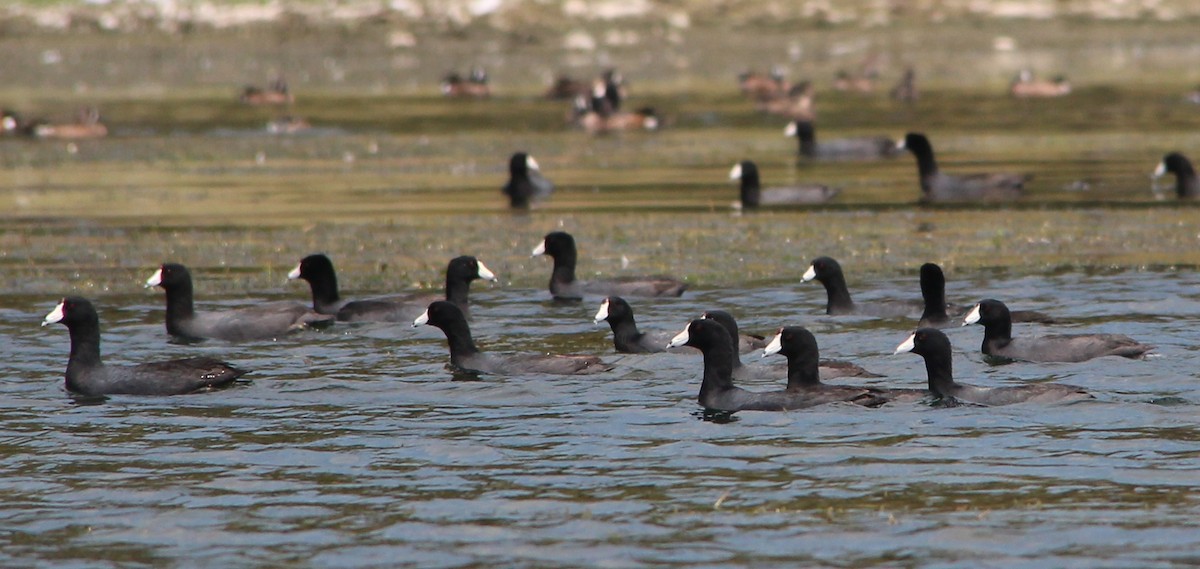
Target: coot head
556,244
521,163
988,312
792,341
822,268
613,308
440,314
925,342
72,310
169,275
1174,163
311,267
704,334
916,143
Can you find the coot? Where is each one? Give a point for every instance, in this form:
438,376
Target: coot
560,246
998,340
939,187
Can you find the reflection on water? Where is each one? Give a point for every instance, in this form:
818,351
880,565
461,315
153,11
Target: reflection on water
357,446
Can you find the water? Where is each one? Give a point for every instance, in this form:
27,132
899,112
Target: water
357,447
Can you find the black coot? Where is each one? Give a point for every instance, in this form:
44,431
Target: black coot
934,346
829,273
998,340
561,247
862,148
264,321
464,355
626,337
753,195
88,375
803,361
939,187
1187,185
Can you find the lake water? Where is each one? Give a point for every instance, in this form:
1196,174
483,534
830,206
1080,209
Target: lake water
357,447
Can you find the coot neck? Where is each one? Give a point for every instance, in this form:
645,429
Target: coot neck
85,346
997,333
839,295
935,301
1186,183
941,375
457,290
564,267
751,188
179,306
808,139
718,372
803,371
625,334
926,164
324,290
458,336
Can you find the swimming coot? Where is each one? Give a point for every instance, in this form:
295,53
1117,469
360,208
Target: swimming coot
626,337
803,368
561,247
934,346
318,270
525,182
753,195
939,187
829,273
863,148
263,321
1187,185
464,355
88,375
717,391
998,340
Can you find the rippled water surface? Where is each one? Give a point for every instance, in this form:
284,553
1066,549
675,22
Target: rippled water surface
357,446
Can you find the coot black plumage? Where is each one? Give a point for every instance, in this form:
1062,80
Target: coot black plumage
560,246
934,346
753,195
318,270
803,368
263,321
940,187
862,148
717,391
998,340
88,375
626,337
464,355
525,182
829,273
743,343
1187,185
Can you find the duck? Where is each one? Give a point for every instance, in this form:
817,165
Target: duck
845,82
744,343
1024,86
288,124
560,246
318,270
564,87
754,196
796,104
465,356
87,125
1187,186
276,93
259,322
999,342
934,346
717,390
474,86
800,348
525,182
936,311
828,272
763,86
87,374
862,148
939,187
